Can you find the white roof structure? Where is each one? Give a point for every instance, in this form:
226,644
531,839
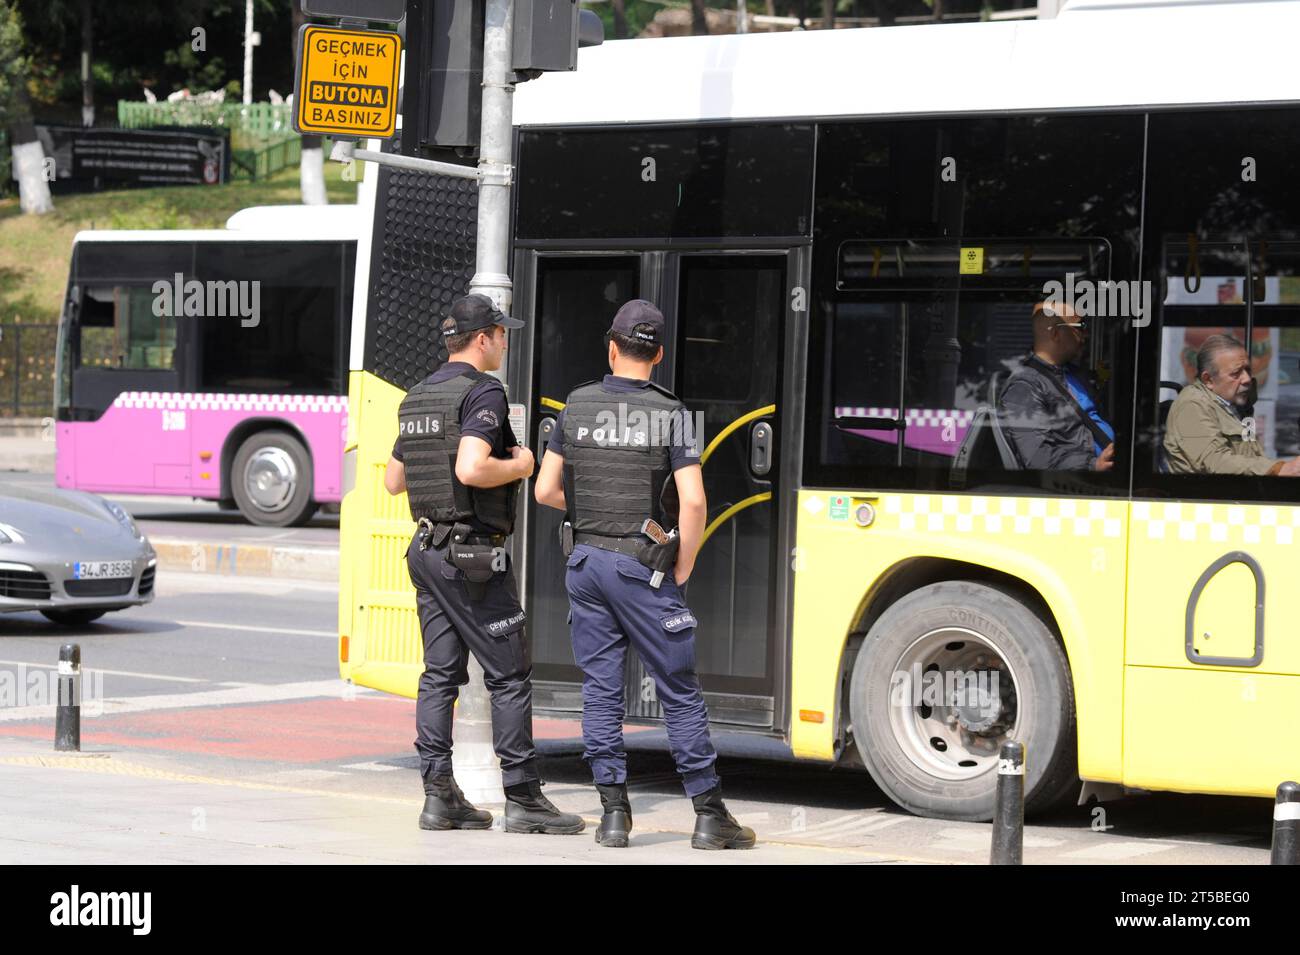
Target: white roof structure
1098,54
337,223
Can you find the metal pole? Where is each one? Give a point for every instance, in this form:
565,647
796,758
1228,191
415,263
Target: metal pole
1009,807
18,371
474,761
1286,826
67,717
493,252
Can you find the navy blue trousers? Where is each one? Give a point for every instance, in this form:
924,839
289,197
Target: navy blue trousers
612,606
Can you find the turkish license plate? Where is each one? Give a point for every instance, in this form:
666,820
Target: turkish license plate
102,569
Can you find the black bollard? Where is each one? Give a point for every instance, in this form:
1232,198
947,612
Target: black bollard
1286,826
67,719
1009,806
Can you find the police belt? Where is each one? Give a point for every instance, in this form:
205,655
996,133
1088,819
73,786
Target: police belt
442,532
630,546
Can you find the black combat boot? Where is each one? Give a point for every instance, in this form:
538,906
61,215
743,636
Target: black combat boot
616,824
527,810
445,806
714,826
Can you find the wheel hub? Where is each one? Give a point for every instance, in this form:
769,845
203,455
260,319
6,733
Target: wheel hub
270,478
954,704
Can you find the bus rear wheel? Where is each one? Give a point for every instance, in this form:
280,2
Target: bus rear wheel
944,677
271,480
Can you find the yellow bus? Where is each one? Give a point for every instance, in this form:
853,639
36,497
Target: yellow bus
847,231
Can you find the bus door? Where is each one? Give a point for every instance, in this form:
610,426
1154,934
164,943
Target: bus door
723,358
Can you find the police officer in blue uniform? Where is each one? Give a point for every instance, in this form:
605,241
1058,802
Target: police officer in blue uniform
623,455
461,466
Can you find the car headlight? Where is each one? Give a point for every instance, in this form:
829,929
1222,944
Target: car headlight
124,519
10,535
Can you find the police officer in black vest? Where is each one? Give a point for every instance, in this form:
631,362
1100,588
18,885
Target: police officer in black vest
624,465
460,464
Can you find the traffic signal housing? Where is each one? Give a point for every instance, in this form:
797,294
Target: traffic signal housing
442,97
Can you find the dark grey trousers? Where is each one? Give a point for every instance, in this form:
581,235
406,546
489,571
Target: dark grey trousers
492,628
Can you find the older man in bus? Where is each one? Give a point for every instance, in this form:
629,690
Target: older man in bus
1210,430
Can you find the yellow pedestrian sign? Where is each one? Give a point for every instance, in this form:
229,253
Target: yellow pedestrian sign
972,261
346,82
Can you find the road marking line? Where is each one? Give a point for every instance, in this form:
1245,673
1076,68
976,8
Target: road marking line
1116,851
838,820
129,673
844,828
309,774
232,696
245,627
374,767
975,839
865,827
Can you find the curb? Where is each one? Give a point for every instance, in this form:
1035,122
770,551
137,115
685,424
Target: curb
22,427
247,560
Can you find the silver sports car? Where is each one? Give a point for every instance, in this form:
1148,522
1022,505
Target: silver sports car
73,556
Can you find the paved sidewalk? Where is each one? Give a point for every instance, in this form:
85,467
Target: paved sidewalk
25,453
114,808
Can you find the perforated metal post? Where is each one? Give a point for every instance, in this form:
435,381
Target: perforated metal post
1009,807
67,717
1286,826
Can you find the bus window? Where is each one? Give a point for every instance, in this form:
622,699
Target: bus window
705,181
1222,247
921,331
120,330
1218,298
956,340
285,336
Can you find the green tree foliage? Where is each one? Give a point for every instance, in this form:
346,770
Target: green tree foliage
13,63
152,44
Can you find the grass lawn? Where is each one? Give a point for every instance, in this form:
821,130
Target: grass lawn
34,250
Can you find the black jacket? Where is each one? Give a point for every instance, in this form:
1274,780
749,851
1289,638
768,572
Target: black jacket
1044,425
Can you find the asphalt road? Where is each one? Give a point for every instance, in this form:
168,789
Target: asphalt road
235,678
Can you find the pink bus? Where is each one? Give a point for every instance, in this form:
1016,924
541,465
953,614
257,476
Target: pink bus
211,364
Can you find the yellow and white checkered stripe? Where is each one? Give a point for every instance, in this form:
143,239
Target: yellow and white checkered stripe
1004,515
1218,523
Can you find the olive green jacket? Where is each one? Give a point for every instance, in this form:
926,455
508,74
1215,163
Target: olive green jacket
1204,437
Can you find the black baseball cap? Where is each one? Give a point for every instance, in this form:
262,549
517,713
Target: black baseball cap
639,312
472,312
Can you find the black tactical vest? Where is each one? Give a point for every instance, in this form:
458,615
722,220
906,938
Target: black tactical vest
429,425
616,460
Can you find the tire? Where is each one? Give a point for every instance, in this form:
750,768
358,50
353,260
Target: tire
941,760
271,480
73,618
